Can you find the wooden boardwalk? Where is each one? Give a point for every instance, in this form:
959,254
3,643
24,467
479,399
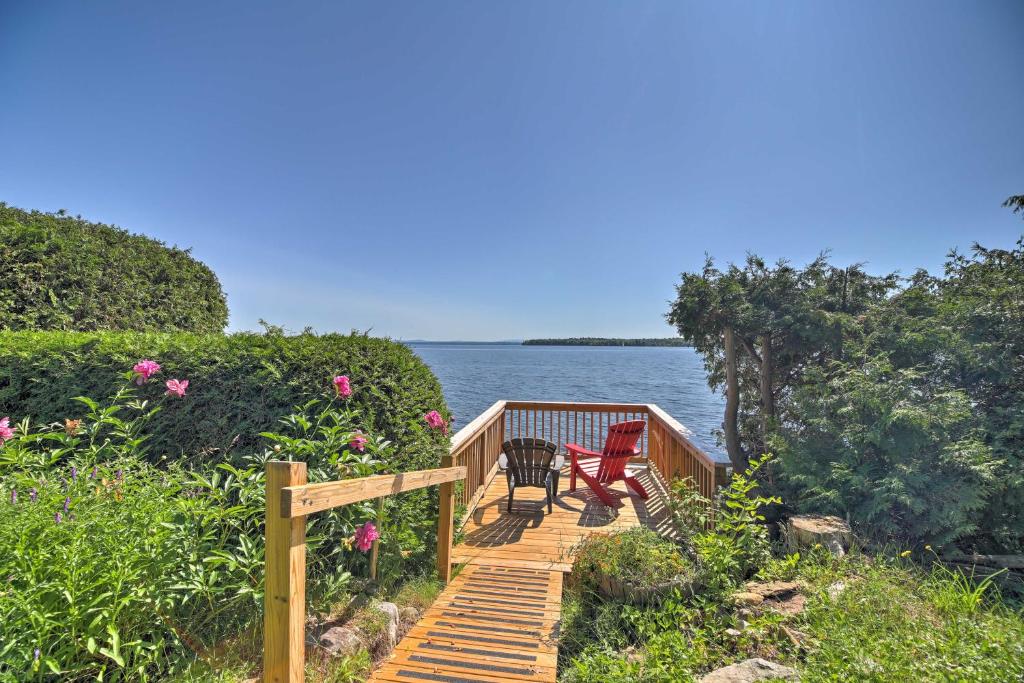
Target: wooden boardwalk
498,620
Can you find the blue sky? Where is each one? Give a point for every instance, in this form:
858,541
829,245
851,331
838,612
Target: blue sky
484,170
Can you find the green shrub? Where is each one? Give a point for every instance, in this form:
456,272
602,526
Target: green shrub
637,556
65,273
240,385
738,545
903,459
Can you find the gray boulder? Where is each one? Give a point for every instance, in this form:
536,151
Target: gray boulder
394,617
340,641
751,670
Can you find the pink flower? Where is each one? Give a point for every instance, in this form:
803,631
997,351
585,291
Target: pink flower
342,386
144,369
6,432
358,443
176,387
366,535
435,421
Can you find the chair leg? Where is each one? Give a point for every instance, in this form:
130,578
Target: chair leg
511,492
548,489
632,483
598,489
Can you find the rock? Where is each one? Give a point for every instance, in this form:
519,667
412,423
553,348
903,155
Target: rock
748,598
795,637
804,531
794,604
773,589
340,641
751,670
733,633
390,610
409,615
781,596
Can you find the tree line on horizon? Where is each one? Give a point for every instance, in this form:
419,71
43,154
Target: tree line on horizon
606,341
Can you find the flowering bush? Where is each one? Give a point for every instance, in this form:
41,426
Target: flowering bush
122,569
435,421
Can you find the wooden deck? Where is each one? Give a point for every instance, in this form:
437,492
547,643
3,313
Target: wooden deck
498,620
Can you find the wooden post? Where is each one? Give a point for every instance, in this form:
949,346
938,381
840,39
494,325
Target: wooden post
284,602
375,548
446,525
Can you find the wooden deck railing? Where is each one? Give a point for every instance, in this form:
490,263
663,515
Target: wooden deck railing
585,424
673,456
477,447
289,501
665,444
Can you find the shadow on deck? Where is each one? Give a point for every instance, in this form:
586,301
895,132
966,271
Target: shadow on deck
531,537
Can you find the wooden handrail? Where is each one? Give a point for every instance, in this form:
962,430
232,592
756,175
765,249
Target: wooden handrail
590,407
290,499
680,433
466,434
310,498
476,447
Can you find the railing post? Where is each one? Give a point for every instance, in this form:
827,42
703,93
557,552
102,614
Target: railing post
284,601
446,525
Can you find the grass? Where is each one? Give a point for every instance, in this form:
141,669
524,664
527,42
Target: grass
419,593
891,621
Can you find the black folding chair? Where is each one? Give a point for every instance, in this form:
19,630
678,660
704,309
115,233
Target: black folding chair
531,463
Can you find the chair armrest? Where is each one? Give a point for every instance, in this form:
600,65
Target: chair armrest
574,450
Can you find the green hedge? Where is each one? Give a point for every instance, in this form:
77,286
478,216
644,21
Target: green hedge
240,384
60,272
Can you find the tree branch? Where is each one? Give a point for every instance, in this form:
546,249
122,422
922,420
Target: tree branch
750,349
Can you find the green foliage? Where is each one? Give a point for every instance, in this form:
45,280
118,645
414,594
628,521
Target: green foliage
785,319
897,402
738,544
418,592
982,299
738,518
93,591
889,621
123,570
904,461
637,556
691,512
65,273
1015,202
240,385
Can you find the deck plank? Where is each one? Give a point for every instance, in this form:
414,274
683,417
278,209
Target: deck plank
497,621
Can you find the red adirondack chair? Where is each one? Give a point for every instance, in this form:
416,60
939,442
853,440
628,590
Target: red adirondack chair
608,466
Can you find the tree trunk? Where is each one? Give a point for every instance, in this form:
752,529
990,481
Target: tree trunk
732,405
767,395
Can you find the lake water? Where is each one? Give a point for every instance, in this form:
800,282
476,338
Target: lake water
476,375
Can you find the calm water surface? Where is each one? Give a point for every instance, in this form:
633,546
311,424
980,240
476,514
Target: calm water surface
476,375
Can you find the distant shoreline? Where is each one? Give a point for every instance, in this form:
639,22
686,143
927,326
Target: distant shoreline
605,341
